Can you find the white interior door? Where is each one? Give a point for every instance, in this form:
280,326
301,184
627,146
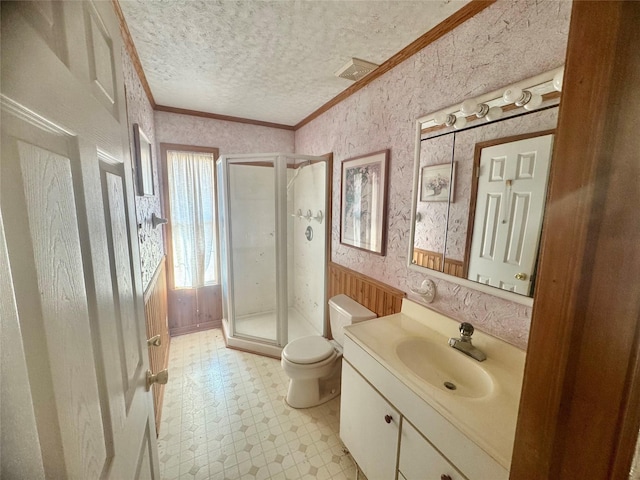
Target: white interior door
69,224
512,185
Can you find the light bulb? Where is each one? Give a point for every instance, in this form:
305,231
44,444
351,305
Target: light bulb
440,118
444,118
461,122
512,95
558,78
469,107
534,103
494,113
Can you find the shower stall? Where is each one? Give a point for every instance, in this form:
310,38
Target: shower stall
273,242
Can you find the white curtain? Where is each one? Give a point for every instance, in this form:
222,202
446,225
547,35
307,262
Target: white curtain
192,206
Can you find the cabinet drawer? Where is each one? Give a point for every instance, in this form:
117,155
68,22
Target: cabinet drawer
419,459
369,426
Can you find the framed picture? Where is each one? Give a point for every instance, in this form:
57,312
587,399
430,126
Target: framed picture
437,183
363,215
144,161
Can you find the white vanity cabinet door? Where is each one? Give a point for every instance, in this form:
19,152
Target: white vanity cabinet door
419,460
369,426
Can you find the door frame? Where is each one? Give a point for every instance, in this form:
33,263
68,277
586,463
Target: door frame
579,415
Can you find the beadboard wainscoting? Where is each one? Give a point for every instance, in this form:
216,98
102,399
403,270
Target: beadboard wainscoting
376,296
433,260
156,319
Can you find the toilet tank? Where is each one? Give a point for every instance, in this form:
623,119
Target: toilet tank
344,311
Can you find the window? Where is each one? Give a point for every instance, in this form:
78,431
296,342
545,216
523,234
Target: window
192,216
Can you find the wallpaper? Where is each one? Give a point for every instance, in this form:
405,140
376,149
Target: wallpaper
507,42
139,111
227,137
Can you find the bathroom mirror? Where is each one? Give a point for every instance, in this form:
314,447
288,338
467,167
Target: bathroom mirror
480,188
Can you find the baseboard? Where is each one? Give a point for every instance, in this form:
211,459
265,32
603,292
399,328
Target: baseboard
174,332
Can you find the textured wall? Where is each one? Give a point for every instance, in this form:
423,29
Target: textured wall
432,224
228,137
139,111
505,43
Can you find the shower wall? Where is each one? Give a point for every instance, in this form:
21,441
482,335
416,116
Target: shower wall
308,263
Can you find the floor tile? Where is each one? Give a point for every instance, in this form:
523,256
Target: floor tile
225,418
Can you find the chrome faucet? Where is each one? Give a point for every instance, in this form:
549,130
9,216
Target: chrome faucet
464,343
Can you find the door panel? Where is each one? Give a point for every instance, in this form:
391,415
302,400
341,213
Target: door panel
121,276
66,199
511,195
100,58
47,200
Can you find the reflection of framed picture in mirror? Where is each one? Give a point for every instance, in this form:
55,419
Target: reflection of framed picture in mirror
436,182
144,161
363,213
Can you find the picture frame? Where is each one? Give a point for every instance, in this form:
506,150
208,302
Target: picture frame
363,205
143,162
437,183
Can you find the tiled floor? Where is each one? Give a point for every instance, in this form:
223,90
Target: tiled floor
224,417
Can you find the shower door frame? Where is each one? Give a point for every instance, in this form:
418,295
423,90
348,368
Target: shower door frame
280,161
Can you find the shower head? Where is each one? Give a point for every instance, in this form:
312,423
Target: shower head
299,167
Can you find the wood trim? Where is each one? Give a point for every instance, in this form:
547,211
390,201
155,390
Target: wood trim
155,313
578,414
133,53
433,260
185,329
226,118
427,258
376,296
465,13
194,309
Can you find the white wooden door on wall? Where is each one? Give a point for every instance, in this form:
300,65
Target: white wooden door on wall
67,206
512,188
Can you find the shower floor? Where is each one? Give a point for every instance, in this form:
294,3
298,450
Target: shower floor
262,326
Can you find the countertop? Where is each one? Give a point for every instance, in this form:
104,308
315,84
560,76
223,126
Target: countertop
489,421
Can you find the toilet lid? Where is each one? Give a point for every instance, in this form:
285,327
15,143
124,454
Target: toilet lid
307,350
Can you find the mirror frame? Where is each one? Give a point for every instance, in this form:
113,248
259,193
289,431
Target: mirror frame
548,85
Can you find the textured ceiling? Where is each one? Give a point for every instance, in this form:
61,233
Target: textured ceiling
272,61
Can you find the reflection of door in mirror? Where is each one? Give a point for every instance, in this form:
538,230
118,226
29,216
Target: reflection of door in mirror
511,191
431,212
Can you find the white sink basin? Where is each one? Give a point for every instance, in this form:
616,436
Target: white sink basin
444,367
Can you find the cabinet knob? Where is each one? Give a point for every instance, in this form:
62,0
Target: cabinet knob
445,477
388,418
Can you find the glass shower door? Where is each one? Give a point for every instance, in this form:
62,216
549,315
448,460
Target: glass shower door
252,250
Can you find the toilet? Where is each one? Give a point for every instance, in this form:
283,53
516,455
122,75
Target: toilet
314,364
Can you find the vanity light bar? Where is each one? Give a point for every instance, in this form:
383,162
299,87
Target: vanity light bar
529,93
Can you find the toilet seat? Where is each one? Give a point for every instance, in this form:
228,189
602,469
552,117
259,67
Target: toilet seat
308,350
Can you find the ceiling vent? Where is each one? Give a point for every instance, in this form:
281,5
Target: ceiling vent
356,69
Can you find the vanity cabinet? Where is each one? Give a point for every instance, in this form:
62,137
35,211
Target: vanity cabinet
419,459
417,442
369,426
